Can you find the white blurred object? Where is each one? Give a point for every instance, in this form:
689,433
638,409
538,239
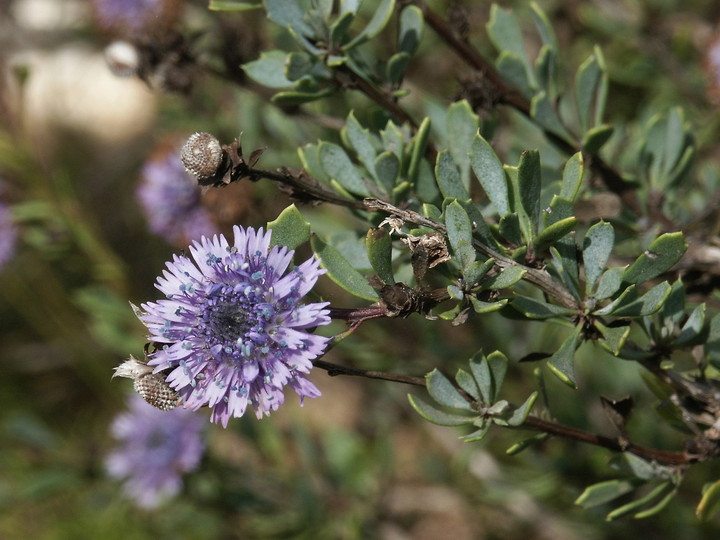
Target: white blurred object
122,58
49,14
74,88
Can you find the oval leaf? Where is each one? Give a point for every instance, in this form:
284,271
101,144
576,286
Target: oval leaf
341,271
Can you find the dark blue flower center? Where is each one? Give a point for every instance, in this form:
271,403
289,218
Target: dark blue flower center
228,321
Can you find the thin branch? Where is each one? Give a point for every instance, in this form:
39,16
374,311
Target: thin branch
532,422
652,454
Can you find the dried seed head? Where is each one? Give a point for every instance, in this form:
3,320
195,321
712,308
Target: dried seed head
202,155
156,391
152,387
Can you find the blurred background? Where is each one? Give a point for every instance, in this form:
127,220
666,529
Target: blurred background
95,99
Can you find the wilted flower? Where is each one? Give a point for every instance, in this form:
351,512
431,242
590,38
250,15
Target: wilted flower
171,201
8,234
155,449
232,326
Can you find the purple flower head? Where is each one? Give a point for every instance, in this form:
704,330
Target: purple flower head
155,448
134,16
170,199
8,234
232,326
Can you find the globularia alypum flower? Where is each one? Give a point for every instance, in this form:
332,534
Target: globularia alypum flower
155,449
171,201
232,328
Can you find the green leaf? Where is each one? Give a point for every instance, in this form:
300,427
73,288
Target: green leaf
380,18
341,271
545,113
442,390
659,257
610,282
477,435
520,414
338,166
692,332
634,505
710,502
232,5
514,70
554,232
448,177
561,363
410,30
387,169
547,34
462,125
490,174
292,97
289,228
269,69
510,228
288,14
658,507
310,158
297,65
572,177
504,279
614,337
505,33
473,272
529,193
607,491
527,443
339,28
594,138
597,246
587,80
361,141
418,149
498,363
480,370
433,414
487,307
545,66
396,66
459,231
535,309
647,304
379,249
467,383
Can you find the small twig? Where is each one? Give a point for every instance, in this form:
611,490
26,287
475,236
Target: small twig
532,422
652,454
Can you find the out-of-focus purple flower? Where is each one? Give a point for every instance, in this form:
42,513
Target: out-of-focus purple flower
134,16
8,234
232,326
170,199
154,449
